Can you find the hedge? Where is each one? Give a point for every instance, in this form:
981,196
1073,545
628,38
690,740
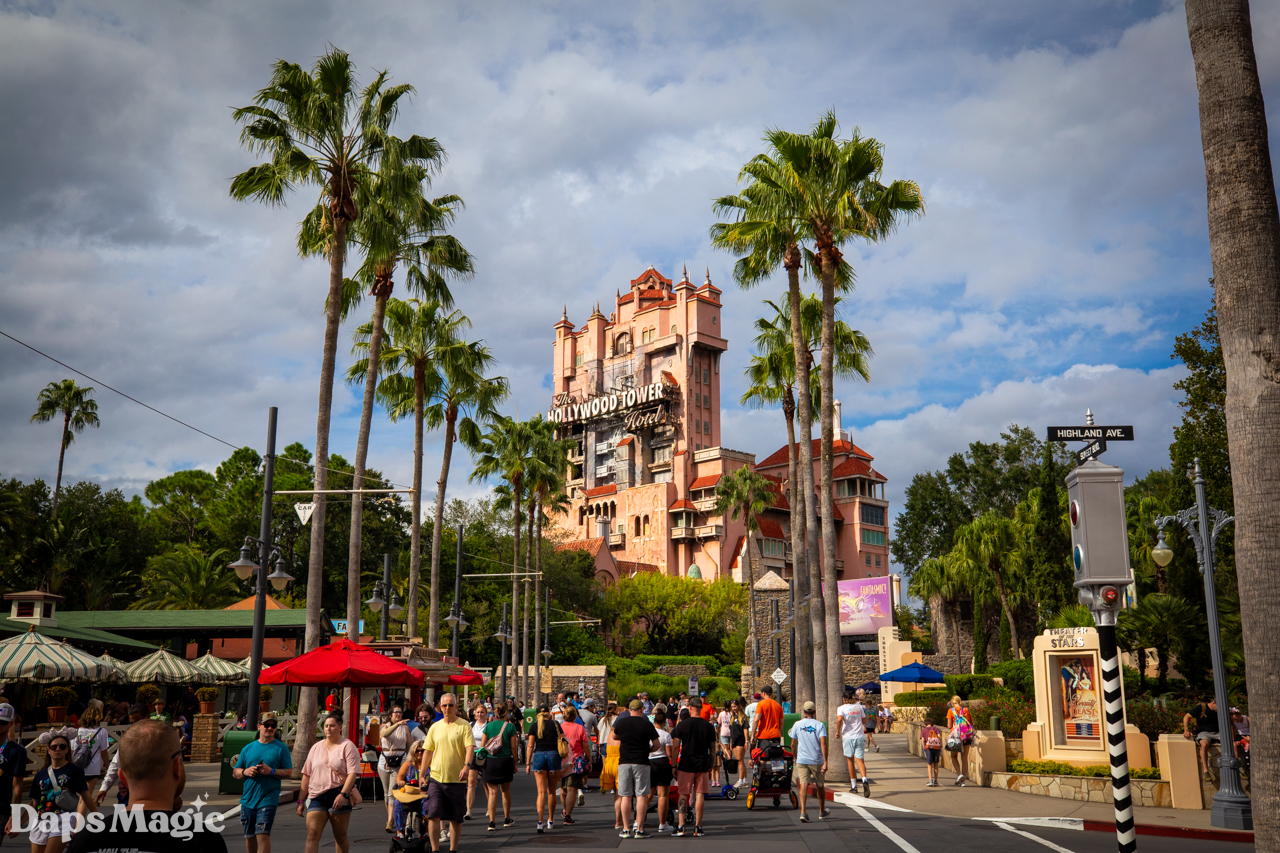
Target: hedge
1017,674
967,686
654,661
920,698
660,687
1057,768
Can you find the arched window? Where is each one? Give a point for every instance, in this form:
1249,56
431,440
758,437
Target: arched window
637,525
622,344
673,328
613,509
646,525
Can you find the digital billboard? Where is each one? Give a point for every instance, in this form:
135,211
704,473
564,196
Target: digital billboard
866,605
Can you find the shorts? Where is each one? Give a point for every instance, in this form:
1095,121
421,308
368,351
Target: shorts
1212,737
724,739
854,747
323,802
257,821
572,780
498,770
446,802
546,762
693,783
932,756
660,773
633,780
806,773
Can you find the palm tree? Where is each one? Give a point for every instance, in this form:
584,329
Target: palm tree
832,187
78,411
546,482
438,379
765,227
316,129
185,578
991,547
746,493
1164,622
398,226
942,578
1244,243
506,450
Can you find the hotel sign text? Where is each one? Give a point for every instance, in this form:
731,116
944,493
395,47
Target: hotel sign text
566,410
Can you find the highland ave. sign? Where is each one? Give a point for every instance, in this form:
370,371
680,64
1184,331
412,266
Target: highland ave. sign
567,410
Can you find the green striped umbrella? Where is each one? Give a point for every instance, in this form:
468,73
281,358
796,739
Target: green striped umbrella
119,675
223,671
38,659
163,667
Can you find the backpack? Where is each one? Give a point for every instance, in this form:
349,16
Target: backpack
83,751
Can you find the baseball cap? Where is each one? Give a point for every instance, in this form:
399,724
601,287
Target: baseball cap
809,706
756,696
6,713
636,705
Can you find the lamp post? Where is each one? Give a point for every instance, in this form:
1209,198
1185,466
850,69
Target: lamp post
503,637
546,641
455,619
245,566
1232,808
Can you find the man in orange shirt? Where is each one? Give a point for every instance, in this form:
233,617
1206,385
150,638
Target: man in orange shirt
767,722
707,711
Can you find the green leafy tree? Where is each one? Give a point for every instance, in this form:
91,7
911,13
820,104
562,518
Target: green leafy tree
673,615
1162,623
942,578
181,502
747,494
926,528
1049,560
186,578
77,409
992,548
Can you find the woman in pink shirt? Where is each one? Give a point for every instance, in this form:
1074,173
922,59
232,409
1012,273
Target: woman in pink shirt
329,779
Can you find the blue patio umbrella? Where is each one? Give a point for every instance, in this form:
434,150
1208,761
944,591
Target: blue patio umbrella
913,673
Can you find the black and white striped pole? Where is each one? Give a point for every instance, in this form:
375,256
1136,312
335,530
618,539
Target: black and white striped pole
1100,554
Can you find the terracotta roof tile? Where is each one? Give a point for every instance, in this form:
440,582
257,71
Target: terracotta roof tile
855,467
626,568
600,491
650,273
667,375
628,440
770,528
591,546
735,553
779,457
705,482
682,504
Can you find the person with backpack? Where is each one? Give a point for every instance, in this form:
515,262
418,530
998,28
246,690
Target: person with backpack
960,737
89,748
543,762
58,788
501,745
931,741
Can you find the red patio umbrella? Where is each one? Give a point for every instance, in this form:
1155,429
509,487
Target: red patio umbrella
345,664
468,677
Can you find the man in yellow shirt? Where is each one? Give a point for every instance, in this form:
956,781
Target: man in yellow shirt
447,751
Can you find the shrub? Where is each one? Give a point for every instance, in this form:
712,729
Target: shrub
1152,720
1014,715
921,698
1018,675
58,697
207,694
731,671
146,695
1057,768
937,714
967,686
265,692
654,661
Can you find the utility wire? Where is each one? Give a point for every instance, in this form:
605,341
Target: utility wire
279,458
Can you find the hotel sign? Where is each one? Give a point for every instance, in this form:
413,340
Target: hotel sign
641,406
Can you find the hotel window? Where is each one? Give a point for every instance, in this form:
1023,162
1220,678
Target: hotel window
771,547
577,362
637,525
706,376
845,489
706,427
868,559
877,561
646,525
673,328
873,515
706,401
872,537
661,454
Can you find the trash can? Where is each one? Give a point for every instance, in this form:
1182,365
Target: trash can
232,743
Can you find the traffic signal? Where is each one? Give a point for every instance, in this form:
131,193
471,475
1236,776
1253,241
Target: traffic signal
1099,535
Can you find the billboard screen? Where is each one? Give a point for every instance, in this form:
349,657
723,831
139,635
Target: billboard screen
866,605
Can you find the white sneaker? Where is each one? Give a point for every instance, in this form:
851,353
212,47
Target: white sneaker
959,780
582,799
664,828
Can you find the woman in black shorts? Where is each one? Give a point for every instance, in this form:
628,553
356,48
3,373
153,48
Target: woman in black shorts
500,767
661,762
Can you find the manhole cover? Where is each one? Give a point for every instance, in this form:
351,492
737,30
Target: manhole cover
567,839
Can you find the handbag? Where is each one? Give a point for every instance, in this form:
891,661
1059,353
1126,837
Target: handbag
393,762
953,742
62,798
562,745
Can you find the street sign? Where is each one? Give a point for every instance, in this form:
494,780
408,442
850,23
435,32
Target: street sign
304,511
1092,450
779,676
1091,433
693,685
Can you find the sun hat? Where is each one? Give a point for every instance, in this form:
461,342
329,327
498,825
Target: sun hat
409,794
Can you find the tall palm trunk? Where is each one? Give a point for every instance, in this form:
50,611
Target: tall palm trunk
308,704
830,594
515,586
530,691
748,573
382,289
1244,243
802,637
998,573
437,532
538,615
415,526
62,455
955,626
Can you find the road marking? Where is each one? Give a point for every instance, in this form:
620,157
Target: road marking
886,831
1048,844
855,801
1043,822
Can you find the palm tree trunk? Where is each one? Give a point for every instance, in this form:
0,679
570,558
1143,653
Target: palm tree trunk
535,544
415,527
437,532
803,514
748,574
830,594
62,455
530,691
515,586
362,453
1244,243
801,636
308,704
955,625
1008,613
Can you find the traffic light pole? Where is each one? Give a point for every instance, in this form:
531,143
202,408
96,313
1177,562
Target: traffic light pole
1117,749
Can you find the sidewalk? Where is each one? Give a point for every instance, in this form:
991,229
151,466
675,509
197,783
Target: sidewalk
899,780
202,781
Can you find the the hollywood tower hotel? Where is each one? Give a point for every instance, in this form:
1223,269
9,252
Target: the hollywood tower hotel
639,390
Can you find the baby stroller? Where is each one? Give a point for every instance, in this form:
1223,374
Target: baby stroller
771,768
414,838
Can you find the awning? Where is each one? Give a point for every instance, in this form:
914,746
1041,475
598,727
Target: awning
38,659
222,671
163,667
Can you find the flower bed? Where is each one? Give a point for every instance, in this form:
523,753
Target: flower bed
1146,792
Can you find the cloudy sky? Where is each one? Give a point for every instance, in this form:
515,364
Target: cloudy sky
1056,144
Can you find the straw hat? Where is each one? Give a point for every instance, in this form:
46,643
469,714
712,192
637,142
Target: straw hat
409,794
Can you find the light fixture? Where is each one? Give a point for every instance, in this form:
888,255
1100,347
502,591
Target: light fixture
396,609
546,655
1162,553
453,616
462,622
375,601
279,578
244,566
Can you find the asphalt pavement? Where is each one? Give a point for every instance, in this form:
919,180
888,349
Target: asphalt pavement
730,827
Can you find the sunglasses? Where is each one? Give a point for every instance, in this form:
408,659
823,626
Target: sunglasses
58,746
268,725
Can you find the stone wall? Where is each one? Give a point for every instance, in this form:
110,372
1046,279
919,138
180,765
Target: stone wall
762,625
684,671
943,628
1146,792
206,740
